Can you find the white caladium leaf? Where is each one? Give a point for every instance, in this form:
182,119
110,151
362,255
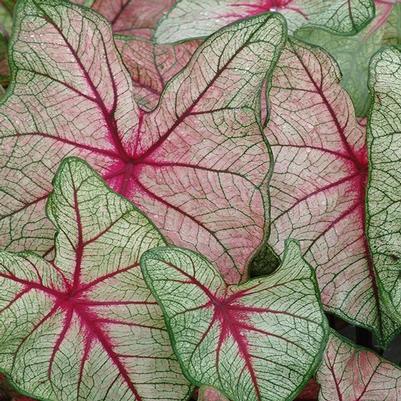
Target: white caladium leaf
197,165
85,327
354,52
190,19
152,65
318,186
131,17
258,341
351,373
384,193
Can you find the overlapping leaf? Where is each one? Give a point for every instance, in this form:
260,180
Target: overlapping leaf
190,19
384,192
258,341
152,65
131,17
6,23
351,373
6,16
196,165
319,182
85,327
353,53
210,394
393,26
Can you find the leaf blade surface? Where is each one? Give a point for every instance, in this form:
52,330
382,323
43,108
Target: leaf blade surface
261,340
86,326
318,188
192,19
352,373
65,100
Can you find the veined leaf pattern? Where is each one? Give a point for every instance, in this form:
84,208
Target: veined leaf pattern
384,194
151,66
131,17
85,326
351,373
352,53
319,182
190,19
197,165
258,341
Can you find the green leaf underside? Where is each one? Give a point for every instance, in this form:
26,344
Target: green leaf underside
317,190
351,373
85,327
190,19
197,165
384,193
258,341
353,53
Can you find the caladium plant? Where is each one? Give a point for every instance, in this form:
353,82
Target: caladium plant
189,19
353,53
384,193
319,182
351,373
131,17
85,326
151,66
197,165
257,341
176,128
210,394
6,22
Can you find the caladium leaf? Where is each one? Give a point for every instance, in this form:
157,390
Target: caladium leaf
131,17
196,165
6,23
152,65
351,373
85,327
310,391
257,341
86,3
210,394
318,186
384,193
6,16
392,32
189,19
353,53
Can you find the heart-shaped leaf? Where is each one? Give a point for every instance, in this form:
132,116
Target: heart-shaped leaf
353,53
152,65
197,165
319,182
351,373
85,327
257,341
384,191
131,17
189,19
